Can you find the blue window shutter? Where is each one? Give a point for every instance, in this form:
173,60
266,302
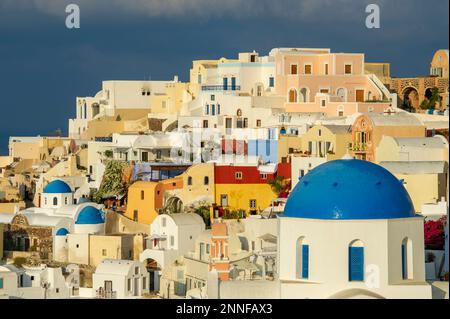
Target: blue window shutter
233,83
305,261
225,84
356,263
404,263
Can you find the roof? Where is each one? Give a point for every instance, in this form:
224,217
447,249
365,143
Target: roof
395,119
187,219
90,215
349,189
62,232
423,167
423,142
115,267
339,129
57,187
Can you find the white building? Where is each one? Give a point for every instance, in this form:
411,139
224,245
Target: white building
171,236
120,279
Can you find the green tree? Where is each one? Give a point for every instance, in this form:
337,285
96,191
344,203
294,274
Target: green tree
277,184
113,184
430,103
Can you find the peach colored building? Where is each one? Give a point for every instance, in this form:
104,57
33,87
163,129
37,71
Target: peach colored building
368,130
302,74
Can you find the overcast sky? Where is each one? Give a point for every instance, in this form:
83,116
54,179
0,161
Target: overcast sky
44,65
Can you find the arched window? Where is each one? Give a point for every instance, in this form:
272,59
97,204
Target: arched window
292,96
189,181
65,200
302,258
142,195
85,110
304,95
206,180
407,261
55,201
356,261
207,109
342,93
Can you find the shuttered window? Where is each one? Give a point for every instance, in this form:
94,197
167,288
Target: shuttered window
305,261
356,263
404,262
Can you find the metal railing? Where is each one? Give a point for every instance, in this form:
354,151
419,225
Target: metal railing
361,147
221,88
102,294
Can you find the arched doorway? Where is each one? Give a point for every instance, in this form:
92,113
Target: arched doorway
410,98
154,271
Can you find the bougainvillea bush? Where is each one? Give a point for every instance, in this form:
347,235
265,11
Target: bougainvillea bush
435,233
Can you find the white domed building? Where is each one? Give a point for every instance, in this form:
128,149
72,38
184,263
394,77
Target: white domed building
349,230
60,216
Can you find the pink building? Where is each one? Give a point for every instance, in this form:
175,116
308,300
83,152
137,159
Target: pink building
316,80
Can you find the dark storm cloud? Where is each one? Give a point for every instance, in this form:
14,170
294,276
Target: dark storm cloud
44,66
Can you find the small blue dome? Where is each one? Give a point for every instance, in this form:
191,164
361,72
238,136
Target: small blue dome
349,189
62,232
57,187
83,200
90,215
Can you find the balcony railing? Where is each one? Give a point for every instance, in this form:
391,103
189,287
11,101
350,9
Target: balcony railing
359,147
102,294
221,88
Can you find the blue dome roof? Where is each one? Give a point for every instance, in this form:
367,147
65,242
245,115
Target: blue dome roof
349,189
62,232
89,215
57,187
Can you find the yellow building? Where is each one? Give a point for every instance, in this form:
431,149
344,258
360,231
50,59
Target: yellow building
144,200
330,141
119,246
288,144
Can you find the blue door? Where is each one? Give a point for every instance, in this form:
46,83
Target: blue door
356,263
233,83
305,261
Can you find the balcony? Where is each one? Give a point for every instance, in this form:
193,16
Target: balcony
359,147
102,294
221,88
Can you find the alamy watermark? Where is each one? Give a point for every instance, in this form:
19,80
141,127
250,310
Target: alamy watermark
73,17
373,19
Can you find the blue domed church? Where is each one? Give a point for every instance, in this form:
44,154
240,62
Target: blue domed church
349,230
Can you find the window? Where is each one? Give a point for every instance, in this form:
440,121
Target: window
199,79
189,181
319,132
224,200
142,195
172,241
302,258
213,109
32,278
218,109
225,84
164,222
304,95
205,123
158,154
206,180
292,96
252,204
65,200
104,252
356,261
326,68
245,122
238,175
294,69
55,201
136,270
129,284
258,123
233,83
213,97
207,109
308,68
348,69
45,201
271,82
407,262
144,283
145,156
263,176
324,103
135,215
78,246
